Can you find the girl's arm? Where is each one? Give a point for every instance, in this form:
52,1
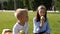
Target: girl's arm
47,28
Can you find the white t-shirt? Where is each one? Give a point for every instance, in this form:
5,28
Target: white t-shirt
17,27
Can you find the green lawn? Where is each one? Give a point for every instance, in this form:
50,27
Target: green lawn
7,20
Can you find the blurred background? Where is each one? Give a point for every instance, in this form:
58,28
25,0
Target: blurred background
7,19
29,4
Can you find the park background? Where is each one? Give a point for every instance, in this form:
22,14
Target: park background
7,19
29,4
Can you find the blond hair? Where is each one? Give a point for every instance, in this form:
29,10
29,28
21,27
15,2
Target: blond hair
6,30
19,12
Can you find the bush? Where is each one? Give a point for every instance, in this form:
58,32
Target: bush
31,4
57,4
4,6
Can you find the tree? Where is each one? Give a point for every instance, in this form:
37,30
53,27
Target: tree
5,5
57,4
10,4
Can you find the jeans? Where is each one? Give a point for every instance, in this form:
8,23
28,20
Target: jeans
40,32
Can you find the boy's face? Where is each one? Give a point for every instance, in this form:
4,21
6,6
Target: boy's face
8,33
42,12
24,17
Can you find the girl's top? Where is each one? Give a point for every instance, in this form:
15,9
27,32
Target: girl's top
37,28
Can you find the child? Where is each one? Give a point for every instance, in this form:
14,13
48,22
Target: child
7,31
41,25
22,21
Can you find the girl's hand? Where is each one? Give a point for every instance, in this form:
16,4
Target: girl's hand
42,20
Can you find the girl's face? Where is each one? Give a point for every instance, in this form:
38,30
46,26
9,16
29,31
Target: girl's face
42,12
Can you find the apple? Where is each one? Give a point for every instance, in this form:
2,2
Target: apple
22,32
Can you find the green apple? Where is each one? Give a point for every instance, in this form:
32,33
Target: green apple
22,32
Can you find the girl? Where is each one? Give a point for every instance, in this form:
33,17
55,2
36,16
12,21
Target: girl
41,26
22,21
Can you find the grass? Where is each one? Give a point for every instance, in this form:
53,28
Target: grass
7,21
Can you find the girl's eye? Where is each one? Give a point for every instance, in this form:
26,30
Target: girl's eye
43,12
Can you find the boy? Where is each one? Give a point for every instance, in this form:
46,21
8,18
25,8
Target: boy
22,21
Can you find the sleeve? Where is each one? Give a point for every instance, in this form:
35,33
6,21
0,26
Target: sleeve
34,25
48,28
15,30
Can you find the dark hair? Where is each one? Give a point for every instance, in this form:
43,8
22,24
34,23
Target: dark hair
8,31
38,16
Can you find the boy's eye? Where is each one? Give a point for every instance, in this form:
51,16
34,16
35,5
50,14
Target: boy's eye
26,16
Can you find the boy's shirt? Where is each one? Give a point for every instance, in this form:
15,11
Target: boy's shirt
37,28
17,27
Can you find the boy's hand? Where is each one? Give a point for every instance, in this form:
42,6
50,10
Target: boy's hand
42,20
22,32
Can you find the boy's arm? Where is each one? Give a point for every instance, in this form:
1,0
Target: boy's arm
15,31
